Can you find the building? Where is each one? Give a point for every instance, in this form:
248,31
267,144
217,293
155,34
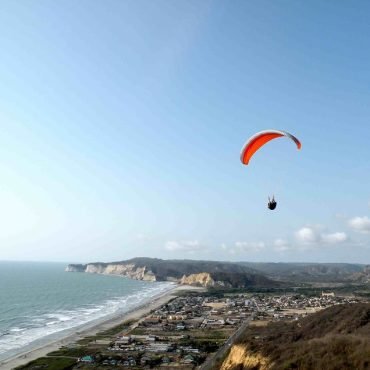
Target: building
329,294
86,359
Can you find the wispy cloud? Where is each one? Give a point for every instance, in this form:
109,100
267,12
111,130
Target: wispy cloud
334,238
282,245
244,247
250,246
183,245
360,224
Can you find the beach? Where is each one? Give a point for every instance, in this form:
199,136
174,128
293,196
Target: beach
91,329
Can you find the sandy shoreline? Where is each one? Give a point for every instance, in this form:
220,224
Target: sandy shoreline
136,314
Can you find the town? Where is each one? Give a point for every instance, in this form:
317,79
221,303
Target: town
184,332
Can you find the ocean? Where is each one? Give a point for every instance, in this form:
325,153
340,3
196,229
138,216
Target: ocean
40,302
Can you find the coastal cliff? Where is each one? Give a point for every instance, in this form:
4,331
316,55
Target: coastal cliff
129,270
203,279
187,272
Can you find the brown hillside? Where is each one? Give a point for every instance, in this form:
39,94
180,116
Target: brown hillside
335,338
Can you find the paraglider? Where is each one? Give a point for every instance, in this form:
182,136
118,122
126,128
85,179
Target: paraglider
256,142
272,203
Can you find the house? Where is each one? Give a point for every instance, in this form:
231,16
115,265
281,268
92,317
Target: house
177,317
151,320
188,359
86,359
143,338
159,347
123,340
330,294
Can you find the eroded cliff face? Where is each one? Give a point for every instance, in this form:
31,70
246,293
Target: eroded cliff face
131,271
203,279
240,358
128,270
199,273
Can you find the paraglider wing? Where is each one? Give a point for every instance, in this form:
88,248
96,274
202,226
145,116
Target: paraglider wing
260,139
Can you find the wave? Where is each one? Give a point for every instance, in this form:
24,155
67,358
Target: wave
36,328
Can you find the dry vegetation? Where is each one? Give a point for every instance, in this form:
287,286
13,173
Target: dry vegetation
335,338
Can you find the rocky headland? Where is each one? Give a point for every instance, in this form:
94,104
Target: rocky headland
187,272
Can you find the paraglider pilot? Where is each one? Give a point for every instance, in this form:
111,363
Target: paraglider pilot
256,142
272,203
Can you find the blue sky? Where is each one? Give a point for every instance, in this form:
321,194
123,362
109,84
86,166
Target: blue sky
122,122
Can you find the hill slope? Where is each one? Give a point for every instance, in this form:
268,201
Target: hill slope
335,338
312,272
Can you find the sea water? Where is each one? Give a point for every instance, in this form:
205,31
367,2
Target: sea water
40,301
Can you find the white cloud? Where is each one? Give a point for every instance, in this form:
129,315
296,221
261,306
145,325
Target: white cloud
360,224
314,236
334,238
307,235
184,245
244,247
249,246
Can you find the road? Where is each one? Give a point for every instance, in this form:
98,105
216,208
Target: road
211,361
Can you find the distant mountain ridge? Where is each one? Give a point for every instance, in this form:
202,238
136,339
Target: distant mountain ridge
312,272
189,272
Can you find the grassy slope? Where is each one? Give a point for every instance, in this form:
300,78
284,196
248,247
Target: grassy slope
335,338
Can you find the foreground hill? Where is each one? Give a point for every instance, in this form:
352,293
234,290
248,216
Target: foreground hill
335,338
201,273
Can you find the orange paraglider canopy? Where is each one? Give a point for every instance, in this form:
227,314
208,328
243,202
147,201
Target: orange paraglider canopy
260,139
